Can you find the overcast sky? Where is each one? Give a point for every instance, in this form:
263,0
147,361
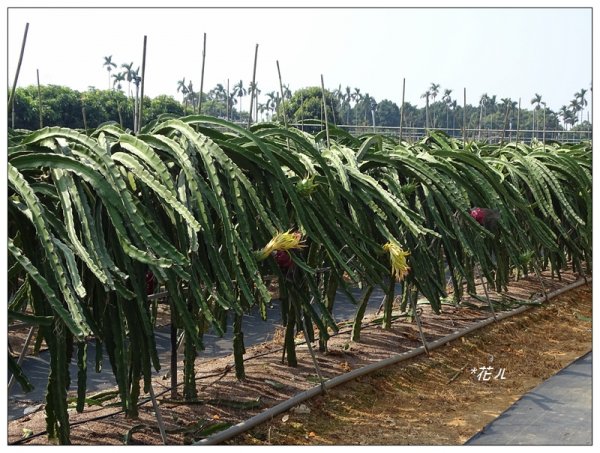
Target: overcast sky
509,52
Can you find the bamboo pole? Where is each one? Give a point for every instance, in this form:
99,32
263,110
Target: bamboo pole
120,115
139,122
173,361
227,101
518,121
325,111
465,118
504,124
544,130
282,97
159,419
11,99
302,110
22,355
253,87
402,107
84,117
285,122
417,314
202,76
39,98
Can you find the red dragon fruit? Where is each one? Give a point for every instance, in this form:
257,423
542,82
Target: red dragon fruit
488,218
477,214
283,259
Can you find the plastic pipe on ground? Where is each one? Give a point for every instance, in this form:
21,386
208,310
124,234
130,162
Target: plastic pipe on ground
343,378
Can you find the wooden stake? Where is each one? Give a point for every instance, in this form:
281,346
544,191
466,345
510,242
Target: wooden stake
14,87
39,98
173,364
310,349
487,297
253,87
282,96
227,101
161,425
139,122
402,107
544,130
22,355
418,320
325,111
518,121
202,76
84,118
465,118
287,140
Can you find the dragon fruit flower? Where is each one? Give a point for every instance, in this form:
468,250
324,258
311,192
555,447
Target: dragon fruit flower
398,256
282,242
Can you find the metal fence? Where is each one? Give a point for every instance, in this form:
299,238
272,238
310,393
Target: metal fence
485,135
412,134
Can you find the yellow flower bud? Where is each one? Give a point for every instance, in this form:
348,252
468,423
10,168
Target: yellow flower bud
398,260
283,242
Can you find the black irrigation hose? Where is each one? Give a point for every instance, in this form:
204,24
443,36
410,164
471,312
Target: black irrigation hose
311,392
314,391
147,400
100,417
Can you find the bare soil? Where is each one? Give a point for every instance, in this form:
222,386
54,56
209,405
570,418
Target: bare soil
434,399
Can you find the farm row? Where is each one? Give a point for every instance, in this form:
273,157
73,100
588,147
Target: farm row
210,211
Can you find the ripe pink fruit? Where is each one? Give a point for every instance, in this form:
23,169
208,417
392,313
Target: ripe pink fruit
478,214
488,218
283,259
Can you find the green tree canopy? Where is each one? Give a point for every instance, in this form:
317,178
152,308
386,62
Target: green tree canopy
307,103
387,114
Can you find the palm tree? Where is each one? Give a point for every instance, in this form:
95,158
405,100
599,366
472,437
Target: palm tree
272,102
240,92
575,108
128,74
118,78
491,103
537,100
509,106
347,100
564,112
231,102
357,97
426,95
219,94
261,108
181,86
366,106
192,96
448,101
569,117
109,67
434,90
580,97
253,88
454,106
